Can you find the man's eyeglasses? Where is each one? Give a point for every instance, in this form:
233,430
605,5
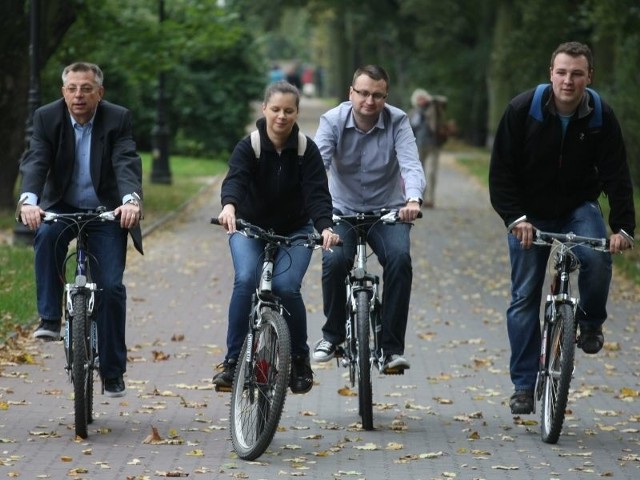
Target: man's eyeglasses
377,96
85,89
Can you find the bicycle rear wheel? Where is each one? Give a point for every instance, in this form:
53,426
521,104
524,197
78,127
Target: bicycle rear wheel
365,393
81,373
560,354
260,386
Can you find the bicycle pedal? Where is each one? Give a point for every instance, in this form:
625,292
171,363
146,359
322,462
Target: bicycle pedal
222,388
393,371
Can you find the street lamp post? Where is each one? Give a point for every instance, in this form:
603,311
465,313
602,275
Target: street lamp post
21,234
160,172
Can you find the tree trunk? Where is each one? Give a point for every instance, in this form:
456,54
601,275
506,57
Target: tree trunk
498,87
56,16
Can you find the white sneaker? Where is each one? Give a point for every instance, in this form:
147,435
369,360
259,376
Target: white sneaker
324,351
395,364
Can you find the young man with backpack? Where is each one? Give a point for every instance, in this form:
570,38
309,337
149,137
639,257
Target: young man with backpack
557,148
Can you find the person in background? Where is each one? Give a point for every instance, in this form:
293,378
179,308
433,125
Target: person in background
371,154
82,155
548,174
281,192
424,122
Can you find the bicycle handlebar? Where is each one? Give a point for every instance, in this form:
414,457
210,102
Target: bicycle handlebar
547,238
254,231
80,216
384,215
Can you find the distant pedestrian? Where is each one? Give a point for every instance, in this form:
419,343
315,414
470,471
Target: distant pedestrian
429,127
276,73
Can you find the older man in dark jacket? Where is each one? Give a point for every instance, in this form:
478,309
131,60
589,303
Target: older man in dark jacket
82,155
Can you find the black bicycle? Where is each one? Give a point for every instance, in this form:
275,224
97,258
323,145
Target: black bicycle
81,331
362,347
559,331
262,374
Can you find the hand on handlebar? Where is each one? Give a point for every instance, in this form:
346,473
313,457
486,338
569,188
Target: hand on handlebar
329,239
618,243
129,215
227,218
409,212
525,232
31,216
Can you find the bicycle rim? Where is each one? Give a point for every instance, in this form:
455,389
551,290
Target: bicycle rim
555,395
81,374
365,393
260,387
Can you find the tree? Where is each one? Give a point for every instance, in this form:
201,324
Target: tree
56,16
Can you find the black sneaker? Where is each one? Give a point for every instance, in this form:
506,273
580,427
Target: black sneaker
591,339
223,380
48,330
521,402
301,380
114,387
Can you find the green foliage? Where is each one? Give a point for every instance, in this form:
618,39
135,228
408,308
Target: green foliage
211,70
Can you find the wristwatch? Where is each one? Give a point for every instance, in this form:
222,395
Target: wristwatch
415,199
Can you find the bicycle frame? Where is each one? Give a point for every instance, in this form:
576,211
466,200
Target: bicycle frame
262,374
81,332
559,330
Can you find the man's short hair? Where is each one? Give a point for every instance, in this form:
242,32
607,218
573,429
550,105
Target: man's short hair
573,49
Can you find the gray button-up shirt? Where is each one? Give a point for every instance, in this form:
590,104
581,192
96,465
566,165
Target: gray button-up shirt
371,170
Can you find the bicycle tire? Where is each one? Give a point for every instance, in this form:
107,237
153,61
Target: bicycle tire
561,354
81,373
91,369
259,389
365,393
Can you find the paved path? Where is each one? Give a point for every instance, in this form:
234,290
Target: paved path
446,418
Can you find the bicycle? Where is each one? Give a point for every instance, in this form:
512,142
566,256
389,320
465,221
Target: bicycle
262,375
559,331
81,331
361,349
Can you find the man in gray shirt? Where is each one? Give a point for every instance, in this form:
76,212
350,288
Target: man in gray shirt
370,151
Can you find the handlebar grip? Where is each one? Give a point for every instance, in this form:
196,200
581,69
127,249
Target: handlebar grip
215,221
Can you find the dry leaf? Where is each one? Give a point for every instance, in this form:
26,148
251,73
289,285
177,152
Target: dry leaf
154,437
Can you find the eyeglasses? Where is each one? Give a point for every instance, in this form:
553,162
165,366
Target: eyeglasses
377,96
84,89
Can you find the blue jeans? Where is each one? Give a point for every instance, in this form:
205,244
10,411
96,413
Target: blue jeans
291,264
391,244
528,269
108,254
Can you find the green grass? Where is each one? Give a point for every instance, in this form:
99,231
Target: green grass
476,162
17,283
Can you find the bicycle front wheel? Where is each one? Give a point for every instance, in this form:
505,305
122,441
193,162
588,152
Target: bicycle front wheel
81,373
365,393
560,354
260,386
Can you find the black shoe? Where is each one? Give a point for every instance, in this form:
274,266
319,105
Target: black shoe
591,339
521,402
114,387
301,380
48,330
223,380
